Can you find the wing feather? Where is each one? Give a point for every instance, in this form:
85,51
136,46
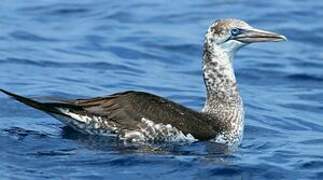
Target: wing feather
127,110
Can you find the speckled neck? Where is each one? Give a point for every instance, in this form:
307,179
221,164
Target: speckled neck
223,99
219,77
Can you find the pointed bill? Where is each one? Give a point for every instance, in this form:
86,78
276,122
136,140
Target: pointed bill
258,35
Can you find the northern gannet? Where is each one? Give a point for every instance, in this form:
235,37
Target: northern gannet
140,116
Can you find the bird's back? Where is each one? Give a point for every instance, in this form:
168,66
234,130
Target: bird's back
132,110
131,115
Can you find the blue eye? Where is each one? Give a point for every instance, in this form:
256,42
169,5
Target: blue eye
235,31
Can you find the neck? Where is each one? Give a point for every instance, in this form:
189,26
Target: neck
219,78
223,101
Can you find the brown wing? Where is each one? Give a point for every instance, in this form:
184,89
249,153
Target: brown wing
128,108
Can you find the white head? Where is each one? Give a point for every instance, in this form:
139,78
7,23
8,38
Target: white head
232,34
223,39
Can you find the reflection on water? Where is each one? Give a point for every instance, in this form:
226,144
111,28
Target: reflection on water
109,143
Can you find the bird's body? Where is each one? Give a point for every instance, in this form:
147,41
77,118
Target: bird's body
140,116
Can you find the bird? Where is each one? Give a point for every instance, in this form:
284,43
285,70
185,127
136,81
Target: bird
144,117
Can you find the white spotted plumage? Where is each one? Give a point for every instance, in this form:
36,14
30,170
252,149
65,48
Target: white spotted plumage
94,125
150,131
147,129
223,98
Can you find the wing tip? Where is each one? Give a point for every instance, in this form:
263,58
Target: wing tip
46,107
5,92
15,96
26,101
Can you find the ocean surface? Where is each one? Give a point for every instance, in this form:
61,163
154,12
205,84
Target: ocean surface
84,48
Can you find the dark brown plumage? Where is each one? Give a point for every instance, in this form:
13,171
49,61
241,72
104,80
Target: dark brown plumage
128,108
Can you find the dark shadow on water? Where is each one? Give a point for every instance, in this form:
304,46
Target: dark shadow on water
21,133
70,144
113,143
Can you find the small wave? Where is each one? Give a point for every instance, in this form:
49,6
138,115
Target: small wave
305,77
27,36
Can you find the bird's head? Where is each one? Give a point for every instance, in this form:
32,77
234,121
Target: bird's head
232,34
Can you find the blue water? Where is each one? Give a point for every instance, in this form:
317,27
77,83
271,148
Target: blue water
90,48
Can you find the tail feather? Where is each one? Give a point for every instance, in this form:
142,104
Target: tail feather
46,107
69,114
